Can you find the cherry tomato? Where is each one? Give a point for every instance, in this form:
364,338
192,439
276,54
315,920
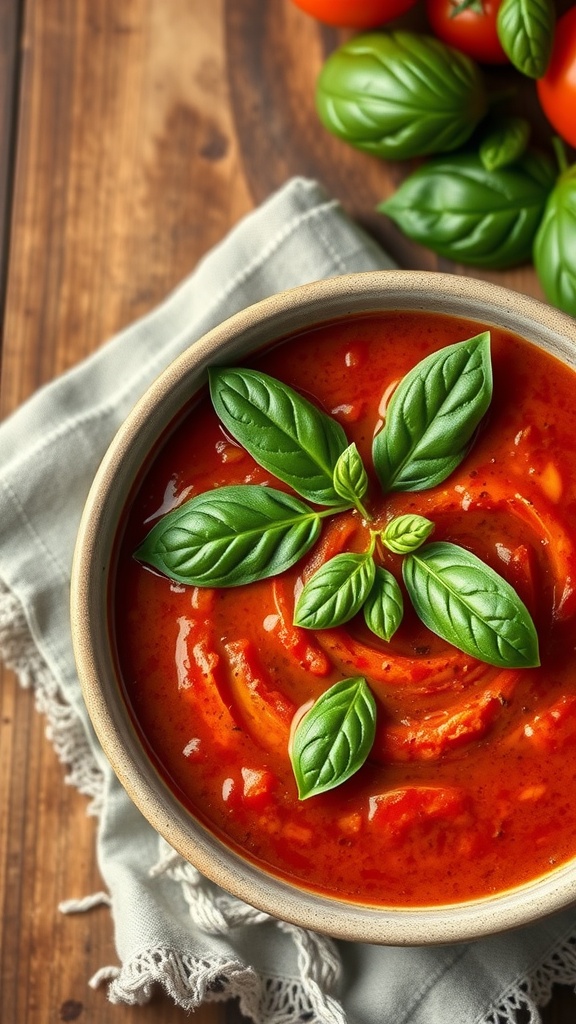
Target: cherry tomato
472,30
557,88
355,13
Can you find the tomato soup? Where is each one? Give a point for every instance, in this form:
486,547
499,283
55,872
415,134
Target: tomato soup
469,786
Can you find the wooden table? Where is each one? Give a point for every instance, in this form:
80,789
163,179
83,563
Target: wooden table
133,136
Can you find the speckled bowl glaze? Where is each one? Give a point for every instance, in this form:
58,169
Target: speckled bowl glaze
237,337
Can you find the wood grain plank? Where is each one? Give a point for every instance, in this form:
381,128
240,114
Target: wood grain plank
126,174
10,20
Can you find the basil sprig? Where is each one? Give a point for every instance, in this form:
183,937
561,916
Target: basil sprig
432,416
453,592
231,536
400,95
334,738
468,604
239,534
526,33
469,214
284,432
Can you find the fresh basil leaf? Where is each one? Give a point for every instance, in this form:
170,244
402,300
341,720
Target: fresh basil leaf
463,600
336,591
284,432
400,94
432,416
384,606
334,738
404,534
504,142
457,208
351,478
526,32
554,245
230,536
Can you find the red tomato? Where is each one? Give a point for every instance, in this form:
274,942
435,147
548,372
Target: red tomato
557,88
472,30
355,13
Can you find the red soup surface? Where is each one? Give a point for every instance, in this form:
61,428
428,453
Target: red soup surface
469,788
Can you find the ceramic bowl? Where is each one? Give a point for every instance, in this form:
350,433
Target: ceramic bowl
233,340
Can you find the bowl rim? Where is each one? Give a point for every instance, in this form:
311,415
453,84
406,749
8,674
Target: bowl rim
244,332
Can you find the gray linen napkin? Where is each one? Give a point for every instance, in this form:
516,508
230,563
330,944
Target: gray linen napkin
172,927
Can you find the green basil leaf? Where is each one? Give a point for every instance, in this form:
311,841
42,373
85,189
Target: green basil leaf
230,536
351,478
384,606
504,142
334,738
457,208
284,432
555,244
468,604
400,94
336,592
404,534
526,33
432,416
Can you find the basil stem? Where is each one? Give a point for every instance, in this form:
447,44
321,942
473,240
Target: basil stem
231,536
334,738
432,416
470,605
284,432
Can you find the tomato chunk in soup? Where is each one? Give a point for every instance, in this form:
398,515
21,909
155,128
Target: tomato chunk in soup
468,789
